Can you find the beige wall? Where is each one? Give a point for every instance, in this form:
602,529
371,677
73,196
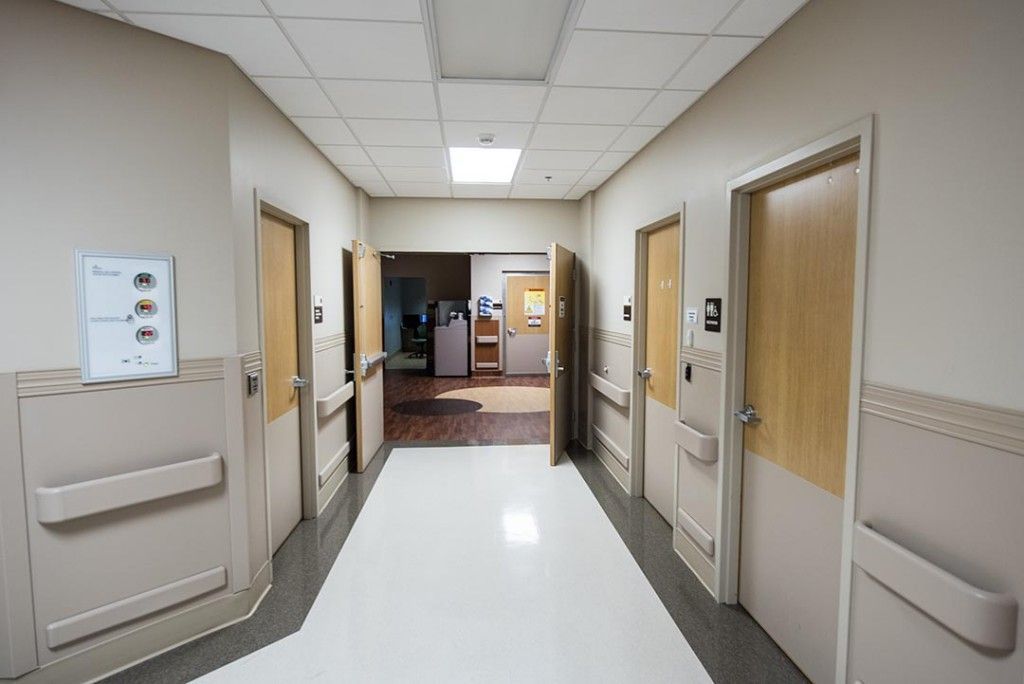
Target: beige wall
944,81
472,225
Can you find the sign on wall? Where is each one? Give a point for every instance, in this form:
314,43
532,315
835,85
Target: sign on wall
713,315
126,316
533,302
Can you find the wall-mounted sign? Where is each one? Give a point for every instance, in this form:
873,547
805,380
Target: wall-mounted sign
691,315
561,307
713,315
627,308
318,314
126,316
534,321
533,302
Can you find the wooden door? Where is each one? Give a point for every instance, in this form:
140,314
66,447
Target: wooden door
799,329
527,311
369,351
661,354
560,333
280,367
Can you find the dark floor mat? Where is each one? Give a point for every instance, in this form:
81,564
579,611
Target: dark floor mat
436,407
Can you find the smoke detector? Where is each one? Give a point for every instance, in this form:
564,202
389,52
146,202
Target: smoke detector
485,139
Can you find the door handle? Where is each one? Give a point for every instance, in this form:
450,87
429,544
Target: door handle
299,382
748,415
511,332
645,373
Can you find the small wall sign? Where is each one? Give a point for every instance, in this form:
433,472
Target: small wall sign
713,315
691,315
318,314
561,307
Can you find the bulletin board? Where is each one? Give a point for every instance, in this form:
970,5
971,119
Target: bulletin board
126,318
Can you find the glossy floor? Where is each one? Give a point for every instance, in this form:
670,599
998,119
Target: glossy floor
480,564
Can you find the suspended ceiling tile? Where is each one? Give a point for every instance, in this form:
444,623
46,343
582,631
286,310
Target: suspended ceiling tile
559,159
422,189
667,106
414,174
346,155
407,156
573,137
611,161
579,191
297,96
635,138
482,190
325,131
237,7
630,60
714,60
255,43
383,99
759,17
594,105
465,133
485,102
361,174
376,188
548,176
539,191
396,132
387,10
595,178
675,16
361,49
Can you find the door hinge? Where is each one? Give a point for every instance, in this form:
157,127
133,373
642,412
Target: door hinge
362,250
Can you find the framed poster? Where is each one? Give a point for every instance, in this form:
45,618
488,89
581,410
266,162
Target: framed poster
126,321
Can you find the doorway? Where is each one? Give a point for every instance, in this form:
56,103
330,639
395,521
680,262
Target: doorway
527,318
286,341
659,280
791,389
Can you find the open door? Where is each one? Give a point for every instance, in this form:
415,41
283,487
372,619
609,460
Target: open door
368,352
559,358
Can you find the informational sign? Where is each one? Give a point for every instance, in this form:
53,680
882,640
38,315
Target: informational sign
533,302
627,308
318,314
561,307
126,316
713,315
534,321
691,315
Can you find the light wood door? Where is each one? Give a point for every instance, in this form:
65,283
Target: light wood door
369,351
799,335
527,312
560,333
661,354
280,366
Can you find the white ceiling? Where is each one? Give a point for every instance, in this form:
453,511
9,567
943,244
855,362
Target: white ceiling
361,79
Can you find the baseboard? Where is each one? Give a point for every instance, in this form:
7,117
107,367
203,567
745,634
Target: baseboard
612,465
333,483
155,638
699,564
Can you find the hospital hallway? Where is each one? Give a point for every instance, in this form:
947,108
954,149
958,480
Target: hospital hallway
477,564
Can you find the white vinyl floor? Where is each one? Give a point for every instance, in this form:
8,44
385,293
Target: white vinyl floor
480,564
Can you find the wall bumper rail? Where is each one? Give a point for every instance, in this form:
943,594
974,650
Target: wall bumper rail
332,465
702,447
135,607
609,444
335,400
487,339
617,395
486,364
68,502
696,532
982,617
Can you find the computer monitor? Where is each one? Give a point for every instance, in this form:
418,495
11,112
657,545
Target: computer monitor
413,320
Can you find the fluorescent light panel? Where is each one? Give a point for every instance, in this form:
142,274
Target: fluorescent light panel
483,165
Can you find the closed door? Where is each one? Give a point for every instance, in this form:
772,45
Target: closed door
559,357
369,351
661,354
799,328
280,368
526,311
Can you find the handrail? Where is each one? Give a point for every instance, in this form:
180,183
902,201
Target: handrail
702,447
67,502
335,400
609,389
614,449
695,531
982,617
487,339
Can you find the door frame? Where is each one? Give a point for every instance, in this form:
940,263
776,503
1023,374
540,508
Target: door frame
504,315
856,137
638,388
304,337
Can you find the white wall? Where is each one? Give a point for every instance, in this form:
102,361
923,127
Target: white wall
944,80
472,225
487,269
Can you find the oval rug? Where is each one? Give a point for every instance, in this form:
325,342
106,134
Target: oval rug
504,398
436,407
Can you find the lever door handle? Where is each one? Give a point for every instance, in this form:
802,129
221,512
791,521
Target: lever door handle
299,382
645,373
748,415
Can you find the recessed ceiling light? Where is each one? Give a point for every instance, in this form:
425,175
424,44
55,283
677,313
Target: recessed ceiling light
478,165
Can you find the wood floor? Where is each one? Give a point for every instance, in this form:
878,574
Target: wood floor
508,428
